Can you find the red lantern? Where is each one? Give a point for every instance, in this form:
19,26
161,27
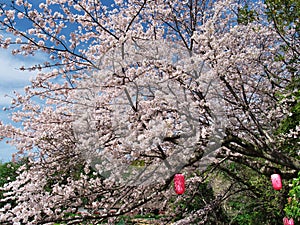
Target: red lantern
276,181
287,221
179,184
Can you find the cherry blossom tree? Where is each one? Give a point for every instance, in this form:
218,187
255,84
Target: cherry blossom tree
131,94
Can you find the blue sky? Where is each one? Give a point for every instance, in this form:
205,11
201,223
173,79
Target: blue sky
11,79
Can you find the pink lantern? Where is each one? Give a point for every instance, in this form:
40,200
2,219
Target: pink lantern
291,221
179,184
287,221
276,181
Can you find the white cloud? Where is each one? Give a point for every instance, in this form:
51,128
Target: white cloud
6,152
9,72
12,79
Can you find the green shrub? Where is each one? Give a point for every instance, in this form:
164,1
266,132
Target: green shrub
292,208
7,174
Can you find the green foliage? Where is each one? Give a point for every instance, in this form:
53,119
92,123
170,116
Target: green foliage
246,216
293,119
149,218
285,13
292,208
196,198
258,203
61,177
249,210
138,163
246,15
8,173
